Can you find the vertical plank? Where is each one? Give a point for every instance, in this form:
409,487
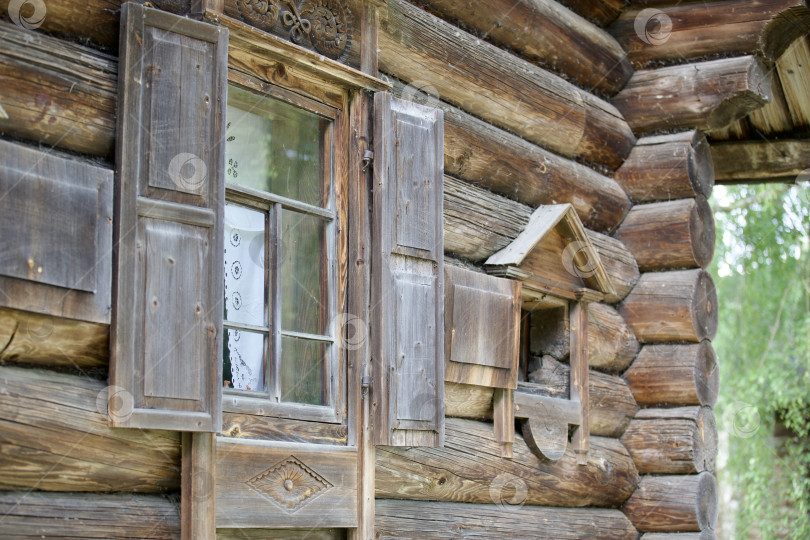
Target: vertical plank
579,375
197,485
504,419
369,39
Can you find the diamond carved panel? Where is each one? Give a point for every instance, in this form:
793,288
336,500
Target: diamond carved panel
290,484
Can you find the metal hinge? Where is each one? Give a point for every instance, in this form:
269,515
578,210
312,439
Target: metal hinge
368,159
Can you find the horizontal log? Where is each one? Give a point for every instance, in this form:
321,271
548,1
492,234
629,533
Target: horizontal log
467,401
703,95
33,338
30,515
600,12
440,520
674,503
682,31
611,343
743,162
417,47
248,426
672,307
672,234
546,33
619,263
470,463
708,534
56,92
54,437
665,167
672,441
675,375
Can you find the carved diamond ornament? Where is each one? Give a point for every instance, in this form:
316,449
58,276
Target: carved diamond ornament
290,484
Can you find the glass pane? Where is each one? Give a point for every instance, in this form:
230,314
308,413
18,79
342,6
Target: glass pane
243,360
278,148
244,265
302,371
304,273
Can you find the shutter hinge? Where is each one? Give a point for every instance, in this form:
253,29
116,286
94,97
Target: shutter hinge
368,159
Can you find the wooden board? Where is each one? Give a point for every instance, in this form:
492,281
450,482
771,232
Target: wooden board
285,485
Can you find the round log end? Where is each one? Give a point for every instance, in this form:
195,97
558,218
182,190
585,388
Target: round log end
707,374
701,232
704,307
706,449
707,507
701,166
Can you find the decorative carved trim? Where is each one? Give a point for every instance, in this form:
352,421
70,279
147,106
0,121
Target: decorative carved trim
290,484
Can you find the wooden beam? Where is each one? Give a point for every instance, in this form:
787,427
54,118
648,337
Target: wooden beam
74,450
672,441
550,35
29,515
600,12
743,162
665,167
708,534
197,486
675,375
673,33
672,234
678,306
674,503
500,88
437,521
703,95
470,462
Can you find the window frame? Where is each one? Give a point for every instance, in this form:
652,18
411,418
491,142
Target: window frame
248,402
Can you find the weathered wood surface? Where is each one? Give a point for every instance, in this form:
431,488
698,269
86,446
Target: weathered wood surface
29,515
753,161
672,441
197,486
675,375
674,503
708,534
600,12
619,263
501,88
438,521
281,534
696,30
704,95
248,426
54,435
467,401
32,338
611,343
470,464
548,34
672,306
56,92
671,234
665,167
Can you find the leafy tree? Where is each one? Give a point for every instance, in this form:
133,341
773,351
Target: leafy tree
762,273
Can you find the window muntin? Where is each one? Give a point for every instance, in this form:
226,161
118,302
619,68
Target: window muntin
279,353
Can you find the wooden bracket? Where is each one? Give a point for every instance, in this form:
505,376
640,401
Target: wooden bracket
504,419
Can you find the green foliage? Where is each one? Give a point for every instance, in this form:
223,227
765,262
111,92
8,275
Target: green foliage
762,272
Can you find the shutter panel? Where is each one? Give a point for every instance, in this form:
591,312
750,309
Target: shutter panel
408,274
166,335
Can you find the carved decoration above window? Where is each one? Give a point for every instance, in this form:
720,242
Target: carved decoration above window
322,25
290,484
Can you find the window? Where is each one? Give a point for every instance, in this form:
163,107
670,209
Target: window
279,357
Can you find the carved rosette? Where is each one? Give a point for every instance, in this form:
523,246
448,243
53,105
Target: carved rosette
260,13
290,484
330,26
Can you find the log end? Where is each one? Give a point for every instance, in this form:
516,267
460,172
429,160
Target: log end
707,374
707,506
704,307
757,93
784,29
701,232
701,166
706,447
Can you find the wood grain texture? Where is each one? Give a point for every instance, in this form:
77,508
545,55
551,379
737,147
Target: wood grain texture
730,27
281,534
675,375
467,401
74,450
470,466
677,306
500,88
620,265
672,234
708,534
665,167
547,34
32,515
674,503
704,95
437,521
760,161
600,12
197,486
672,441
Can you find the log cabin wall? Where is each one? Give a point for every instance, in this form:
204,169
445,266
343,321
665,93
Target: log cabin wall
542,106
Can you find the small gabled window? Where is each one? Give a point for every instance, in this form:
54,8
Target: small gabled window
279,260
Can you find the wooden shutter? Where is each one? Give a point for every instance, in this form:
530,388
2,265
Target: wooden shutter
408,274
167,320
